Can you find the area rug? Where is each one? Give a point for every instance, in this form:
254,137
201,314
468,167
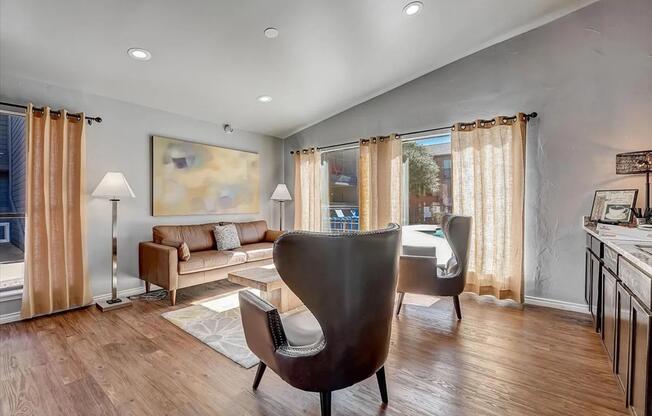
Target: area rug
216,322
220,330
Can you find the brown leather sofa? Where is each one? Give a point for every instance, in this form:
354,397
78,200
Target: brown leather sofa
160,264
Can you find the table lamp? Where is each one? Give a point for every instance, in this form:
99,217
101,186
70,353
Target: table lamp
113,186
633,163
281,194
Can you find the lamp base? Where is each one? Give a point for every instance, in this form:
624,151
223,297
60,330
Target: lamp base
111,304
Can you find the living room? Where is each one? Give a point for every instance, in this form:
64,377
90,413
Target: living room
222,160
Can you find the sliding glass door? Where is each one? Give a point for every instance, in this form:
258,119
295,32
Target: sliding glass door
427,194
340,190
427,178
12,202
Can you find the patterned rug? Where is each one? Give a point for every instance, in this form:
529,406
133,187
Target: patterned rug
217,326
217,323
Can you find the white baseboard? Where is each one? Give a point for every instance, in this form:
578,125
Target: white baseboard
15,316
557,304
10,317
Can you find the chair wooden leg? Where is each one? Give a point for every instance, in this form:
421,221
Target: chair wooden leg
382,384
458,310
325,401
173,297
400,302
259,374
148,286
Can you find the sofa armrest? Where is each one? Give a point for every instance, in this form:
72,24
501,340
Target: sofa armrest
272,235
158,264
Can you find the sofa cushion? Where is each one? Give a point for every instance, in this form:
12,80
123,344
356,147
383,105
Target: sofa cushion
226,237
182,248
198,237
257,251
251,232
272,235
211,259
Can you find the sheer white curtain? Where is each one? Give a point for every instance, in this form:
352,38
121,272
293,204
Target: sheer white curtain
488,159
307,190
380,170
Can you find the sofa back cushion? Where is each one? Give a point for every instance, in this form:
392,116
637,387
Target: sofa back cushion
198,237
251,232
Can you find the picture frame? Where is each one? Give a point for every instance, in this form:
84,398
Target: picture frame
613,206
194,178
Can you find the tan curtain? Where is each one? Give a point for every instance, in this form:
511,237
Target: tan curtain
55,258
488,184
307,190
380,170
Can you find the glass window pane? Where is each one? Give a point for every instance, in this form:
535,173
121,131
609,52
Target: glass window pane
429,171
12,201
340,184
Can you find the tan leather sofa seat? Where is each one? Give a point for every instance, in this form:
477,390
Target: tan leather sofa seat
257,251
211,259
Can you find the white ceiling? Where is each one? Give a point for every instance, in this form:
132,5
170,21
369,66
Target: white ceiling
210,59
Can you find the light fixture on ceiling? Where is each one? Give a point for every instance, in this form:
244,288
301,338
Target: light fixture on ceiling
271,32
228,129
412,8
264,99
139,54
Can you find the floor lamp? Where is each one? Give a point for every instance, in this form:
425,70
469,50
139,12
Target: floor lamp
280,195
113,186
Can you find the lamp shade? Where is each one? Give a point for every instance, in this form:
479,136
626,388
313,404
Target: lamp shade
113,185
281,193
634,162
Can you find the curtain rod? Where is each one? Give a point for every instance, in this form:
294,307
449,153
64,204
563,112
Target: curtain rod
77,116
409,133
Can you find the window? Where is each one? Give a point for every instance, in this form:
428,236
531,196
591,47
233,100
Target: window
12,202
428,172
340,190
427,184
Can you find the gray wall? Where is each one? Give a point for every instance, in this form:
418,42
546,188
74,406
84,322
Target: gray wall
588,75
122,142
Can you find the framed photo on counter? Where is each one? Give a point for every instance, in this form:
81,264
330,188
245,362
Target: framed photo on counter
614,206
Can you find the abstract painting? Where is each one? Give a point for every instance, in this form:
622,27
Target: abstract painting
193,179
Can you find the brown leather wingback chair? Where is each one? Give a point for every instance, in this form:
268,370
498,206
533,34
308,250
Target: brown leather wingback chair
420,274
348,284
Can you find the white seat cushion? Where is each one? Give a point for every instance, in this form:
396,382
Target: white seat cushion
301,328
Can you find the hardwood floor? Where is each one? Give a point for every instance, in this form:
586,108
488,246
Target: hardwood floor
496,361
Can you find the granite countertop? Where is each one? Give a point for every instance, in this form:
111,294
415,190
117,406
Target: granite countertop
628,249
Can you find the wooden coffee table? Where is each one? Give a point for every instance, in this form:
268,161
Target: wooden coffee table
271,286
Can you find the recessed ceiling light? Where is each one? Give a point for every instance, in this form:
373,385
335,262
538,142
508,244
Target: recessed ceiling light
139,54
413,8
264,98
271,32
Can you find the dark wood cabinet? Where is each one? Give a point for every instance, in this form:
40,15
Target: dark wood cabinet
587,276
596,290
608,312
639,393
619,296
621,355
